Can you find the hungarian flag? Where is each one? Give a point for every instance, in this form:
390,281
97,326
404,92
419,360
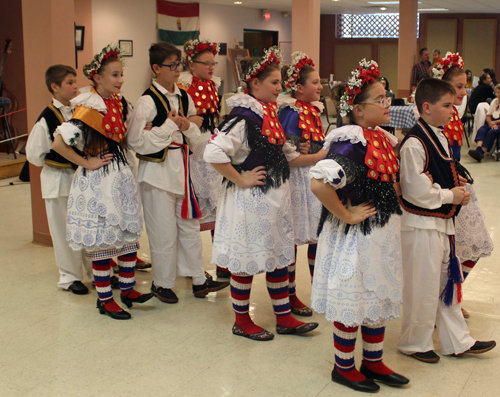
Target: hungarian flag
178,22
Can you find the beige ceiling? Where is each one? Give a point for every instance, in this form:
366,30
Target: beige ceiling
363,7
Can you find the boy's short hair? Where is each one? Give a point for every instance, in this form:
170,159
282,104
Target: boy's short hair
56,74
497,87
432,90
160,51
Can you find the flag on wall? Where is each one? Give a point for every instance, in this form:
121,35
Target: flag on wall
178,22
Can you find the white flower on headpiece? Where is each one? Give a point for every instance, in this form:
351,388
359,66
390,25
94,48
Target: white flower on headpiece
272,54
196,46
451,59
299,60
366,73
109,51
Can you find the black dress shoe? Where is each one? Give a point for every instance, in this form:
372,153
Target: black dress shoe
301,329
478,348
121,315
200,291
477,154
426,357
78,288
393,379
164,294
367,385
140,299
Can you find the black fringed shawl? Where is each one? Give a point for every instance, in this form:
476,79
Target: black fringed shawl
262,152
359,189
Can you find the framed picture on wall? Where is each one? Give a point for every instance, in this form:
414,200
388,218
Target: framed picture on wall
126,47
79,36
235,54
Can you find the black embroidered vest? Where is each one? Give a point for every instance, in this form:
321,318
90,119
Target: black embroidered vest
162,110
54,119
441,167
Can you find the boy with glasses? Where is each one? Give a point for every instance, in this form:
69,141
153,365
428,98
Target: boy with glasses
171,211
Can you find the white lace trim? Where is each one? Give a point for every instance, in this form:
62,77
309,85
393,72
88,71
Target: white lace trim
89,100
186,78
352,133
288,100
246,101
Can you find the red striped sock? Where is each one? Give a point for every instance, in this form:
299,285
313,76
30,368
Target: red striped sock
373,343
240,294
344,340
277,286
126,272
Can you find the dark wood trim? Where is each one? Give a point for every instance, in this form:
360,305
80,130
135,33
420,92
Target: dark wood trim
42,239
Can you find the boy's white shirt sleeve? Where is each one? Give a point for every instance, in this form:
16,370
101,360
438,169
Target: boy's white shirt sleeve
39,143
417,188
143,141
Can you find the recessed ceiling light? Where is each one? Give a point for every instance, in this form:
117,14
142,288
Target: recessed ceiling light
383,8
335,0
238,2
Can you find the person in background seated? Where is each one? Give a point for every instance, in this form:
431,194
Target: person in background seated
488,133
436,54
385,83
481,93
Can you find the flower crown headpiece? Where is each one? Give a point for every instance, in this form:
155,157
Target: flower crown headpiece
366,73
446,63
196,46
272,54
292,75
110,51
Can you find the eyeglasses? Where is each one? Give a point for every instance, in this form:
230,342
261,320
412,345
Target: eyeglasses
384,102
172,66
208,64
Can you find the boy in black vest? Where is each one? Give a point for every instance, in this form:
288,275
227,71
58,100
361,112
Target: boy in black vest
432,194
57,175
171,211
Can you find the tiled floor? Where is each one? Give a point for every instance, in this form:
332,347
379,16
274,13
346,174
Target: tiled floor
54,343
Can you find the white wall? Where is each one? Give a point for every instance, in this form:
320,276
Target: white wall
224,23
115,20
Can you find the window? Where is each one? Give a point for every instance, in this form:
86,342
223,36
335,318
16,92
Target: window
369,25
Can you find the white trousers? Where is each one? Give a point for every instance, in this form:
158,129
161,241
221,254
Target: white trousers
175,243
426,255
68,261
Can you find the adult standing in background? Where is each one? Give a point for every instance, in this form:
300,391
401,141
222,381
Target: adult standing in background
421,70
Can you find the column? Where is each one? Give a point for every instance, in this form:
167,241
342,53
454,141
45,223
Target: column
407,45
48,33
305,28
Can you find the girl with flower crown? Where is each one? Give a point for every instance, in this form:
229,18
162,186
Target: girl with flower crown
201,84
253,231
472,238
104,207
300,118
358,276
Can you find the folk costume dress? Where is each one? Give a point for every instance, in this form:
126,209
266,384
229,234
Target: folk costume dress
104,207
472,238
253,232
206,180
56,179
301,122
358,276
